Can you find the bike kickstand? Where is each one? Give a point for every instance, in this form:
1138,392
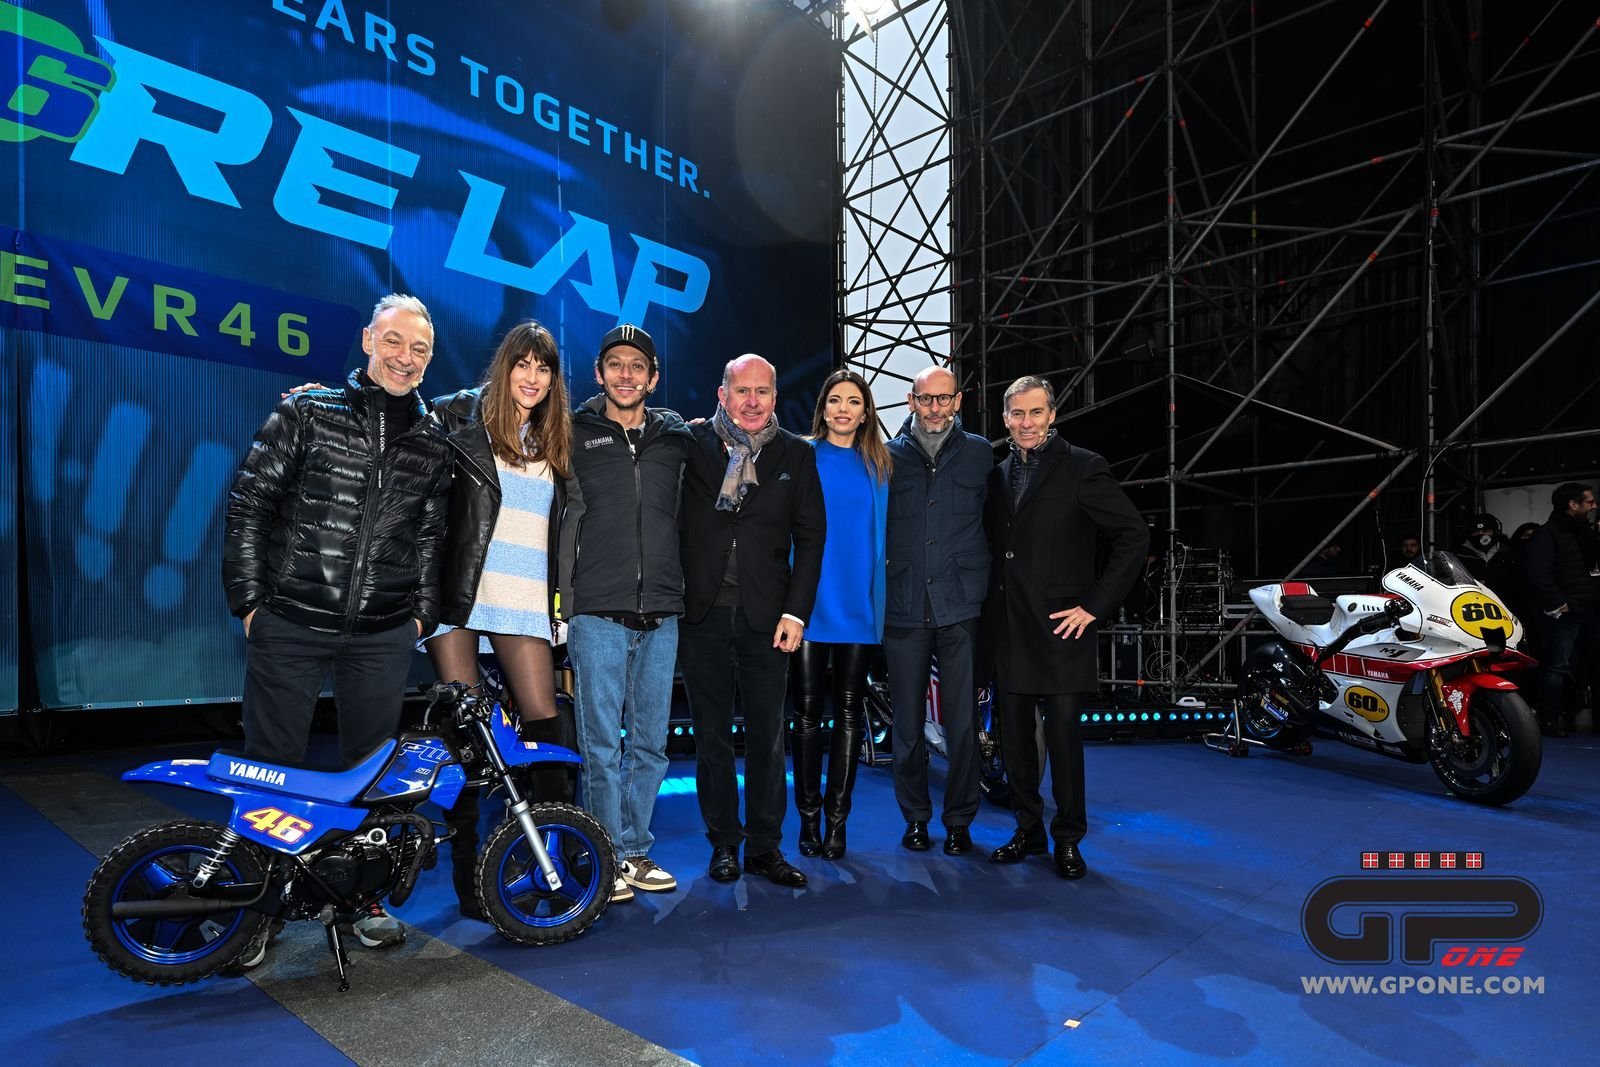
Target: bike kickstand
336,947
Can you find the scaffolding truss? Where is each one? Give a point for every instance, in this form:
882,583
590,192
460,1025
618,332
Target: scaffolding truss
1379,214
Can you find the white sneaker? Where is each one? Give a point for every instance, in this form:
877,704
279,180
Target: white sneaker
621,891
641,872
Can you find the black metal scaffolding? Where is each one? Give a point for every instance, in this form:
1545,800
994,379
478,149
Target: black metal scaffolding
1378,215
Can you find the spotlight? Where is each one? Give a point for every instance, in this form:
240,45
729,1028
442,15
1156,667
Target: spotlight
867,13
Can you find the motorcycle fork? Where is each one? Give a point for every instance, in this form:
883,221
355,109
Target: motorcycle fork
1444,723
518,805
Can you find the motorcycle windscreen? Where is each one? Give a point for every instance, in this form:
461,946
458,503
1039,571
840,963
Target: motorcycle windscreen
1451,606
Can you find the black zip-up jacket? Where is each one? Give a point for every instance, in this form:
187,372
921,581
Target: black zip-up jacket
334,521
619,536
474,507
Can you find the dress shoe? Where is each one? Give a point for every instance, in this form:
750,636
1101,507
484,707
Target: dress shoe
833,840
1019,847
957,840
1069,862
916,837
775,869
724,864
810,834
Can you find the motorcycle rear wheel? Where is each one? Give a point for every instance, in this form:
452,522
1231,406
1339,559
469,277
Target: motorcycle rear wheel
513,892
157,864
1500,761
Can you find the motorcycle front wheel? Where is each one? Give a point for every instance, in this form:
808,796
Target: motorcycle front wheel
159,864
1500,761
514,893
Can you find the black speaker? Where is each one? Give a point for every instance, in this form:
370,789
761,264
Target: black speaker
1216,525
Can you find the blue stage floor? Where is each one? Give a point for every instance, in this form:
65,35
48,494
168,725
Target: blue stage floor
1183,944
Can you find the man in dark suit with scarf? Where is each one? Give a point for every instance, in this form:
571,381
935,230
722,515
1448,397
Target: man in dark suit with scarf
1047,503
753,524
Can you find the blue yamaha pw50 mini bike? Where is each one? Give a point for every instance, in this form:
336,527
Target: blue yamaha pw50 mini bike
181,901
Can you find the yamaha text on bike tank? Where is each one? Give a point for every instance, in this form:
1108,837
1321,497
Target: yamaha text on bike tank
181,901
1417,672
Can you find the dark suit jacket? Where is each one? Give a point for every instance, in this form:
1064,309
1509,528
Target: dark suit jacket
1044,561
782,518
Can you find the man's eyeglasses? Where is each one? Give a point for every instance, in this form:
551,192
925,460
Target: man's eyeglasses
927,400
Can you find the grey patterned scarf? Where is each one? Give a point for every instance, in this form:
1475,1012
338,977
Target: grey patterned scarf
742,448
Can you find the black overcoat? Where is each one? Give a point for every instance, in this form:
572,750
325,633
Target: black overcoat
1044,560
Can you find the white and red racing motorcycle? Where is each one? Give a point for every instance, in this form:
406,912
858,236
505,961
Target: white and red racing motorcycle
1417,672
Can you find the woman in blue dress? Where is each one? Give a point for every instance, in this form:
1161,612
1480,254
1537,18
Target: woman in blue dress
847,623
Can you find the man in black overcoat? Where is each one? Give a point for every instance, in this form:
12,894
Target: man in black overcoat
1047,502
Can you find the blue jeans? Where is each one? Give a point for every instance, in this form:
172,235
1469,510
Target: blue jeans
624,681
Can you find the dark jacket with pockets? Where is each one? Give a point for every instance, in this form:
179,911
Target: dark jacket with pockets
619,536
1044,561
938,560
784,514
474,507
1558,567
334,522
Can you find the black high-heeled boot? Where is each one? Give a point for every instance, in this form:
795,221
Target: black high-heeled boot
842,751
549,782
806,743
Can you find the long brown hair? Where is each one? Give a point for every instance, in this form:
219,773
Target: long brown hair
868,441
549,433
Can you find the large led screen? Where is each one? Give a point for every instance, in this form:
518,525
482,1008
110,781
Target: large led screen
203,199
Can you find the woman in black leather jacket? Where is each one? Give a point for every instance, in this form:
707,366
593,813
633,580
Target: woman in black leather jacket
513,443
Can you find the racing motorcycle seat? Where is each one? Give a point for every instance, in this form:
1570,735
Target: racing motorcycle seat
1307,609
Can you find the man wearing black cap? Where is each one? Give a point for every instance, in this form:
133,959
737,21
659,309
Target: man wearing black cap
622,593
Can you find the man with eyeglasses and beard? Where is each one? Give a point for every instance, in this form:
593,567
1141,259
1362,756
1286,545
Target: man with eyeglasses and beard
1563,570
938,573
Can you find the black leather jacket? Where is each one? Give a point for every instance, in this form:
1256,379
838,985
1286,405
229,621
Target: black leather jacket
335,522
474,506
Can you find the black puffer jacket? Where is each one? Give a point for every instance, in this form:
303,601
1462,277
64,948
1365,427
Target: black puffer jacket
1560,556
474,506
335,522
619,545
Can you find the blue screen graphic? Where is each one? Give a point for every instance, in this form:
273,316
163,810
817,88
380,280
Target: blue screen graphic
201,201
